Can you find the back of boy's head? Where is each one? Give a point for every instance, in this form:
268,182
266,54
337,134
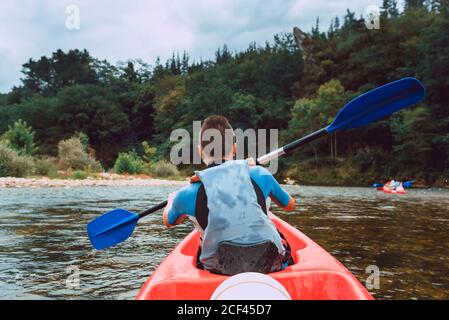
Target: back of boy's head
217,127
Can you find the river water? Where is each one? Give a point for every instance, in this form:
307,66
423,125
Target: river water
43,243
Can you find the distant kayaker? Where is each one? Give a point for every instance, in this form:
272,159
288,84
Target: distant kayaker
227,204
393,185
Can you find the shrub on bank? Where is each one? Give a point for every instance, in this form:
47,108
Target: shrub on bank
12,164
72,155
164,169
79,175
46,166
128,162
149,153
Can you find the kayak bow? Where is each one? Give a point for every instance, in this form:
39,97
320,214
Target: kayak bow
398,190
315,275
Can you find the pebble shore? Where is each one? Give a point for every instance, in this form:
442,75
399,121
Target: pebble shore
103,180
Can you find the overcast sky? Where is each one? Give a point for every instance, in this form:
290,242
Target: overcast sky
118,30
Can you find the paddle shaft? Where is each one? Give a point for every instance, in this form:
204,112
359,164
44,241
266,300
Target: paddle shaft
288,148
153,209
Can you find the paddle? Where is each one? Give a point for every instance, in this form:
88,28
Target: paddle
117,225
408,184
367,108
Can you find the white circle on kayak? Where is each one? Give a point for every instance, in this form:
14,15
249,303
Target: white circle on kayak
250,286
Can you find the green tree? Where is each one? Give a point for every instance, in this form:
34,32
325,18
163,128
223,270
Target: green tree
412,148
309,115
169,98
149,152
389,8
95,111
433,69
48,75
413,4
245,111
21,138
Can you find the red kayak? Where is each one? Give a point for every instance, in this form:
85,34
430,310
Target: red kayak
399,190
315,275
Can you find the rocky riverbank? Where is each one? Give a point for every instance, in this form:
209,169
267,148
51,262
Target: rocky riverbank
102,180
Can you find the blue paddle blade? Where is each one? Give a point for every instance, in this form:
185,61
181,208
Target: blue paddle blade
407,184
378,103
378,185
111,228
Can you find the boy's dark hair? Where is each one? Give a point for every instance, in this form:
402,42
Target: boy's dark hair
222,125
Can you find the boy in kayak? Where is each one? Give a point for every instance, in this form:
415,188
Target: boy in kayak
227,204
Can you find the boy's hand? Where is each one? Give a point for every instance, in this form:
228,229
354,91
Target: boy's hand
171,196
251,162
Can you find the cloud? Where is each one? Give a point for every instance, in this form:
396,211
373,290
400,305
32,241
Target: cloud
120,30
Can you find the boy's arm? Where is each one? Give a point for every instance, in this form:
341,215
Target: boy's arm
174,212
281,197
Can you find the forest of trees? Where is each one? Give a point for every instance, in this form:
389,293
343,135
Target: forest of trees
296,89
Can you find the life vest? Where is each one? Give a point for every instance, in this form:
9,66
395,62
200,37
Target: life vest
236,222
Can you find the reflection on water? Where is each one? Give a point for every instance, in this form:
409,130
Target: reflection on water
43,239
